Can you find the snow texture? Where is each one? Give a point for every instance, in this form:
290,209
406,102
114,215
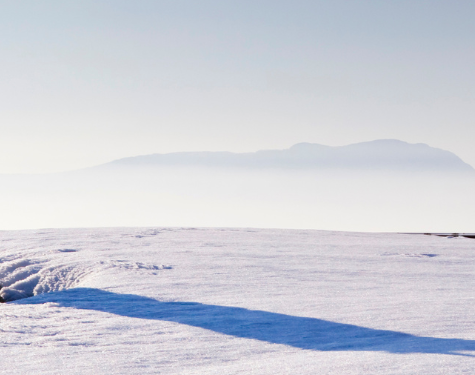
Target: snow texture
235,301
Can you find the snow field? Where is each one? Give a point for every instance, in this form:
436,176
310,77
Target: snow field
235,301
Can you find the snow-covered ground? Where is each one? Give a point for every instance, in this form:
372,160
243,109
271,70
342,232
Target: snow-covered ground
235,301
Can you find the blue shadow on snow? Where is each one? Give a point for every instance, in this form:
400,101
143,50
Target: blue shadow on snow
295,331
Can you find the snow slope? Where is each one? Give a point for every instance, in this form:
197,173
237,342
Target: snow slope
235,301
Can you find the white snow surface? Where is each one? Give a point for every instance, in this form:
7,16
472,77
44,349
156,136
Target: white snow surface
235,301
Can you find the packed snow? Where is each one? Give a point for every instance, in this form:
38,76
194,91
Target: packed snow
235,301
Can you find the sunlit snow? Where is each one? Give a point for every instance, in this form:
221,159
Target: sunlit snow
229,301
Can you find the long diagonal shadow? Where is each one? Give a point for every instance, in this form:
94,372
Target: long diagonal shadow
299,332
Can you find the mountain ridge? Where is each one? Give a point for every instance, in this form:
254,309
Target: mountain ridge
383,154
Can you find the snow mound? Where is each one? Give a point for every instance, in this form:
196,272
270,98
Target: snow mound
23,278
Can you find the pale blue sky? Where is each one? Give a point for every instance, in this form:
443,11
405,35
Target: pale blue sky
87,81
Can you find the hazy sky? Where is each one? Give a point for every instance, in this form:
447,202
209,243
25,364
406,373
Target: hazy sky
87,81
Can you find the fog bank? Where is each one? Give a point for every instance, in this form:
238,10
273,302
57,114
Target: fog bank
218,197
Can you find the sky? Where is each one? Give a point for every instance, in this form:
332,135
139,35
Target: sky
85,82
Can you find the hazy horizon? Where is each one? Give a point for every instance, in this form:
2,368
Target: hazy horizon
224,197
87,82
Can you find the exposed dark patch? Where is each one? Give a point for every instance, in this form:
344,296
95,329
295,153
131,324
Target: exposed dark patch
147,233
210,244
448,235
67,250
413,255
136,265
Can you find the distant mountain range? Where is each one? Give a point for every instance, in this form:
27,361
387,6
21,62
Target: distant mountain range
387,154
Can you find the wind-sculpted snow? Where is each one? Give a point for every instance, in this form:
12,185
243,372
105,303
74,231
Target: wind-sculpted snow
235,301
20,279
26,278
44,273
